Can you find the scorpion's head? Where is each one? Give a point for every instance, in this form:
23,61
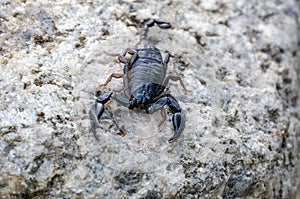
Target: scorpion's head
132,103
141,98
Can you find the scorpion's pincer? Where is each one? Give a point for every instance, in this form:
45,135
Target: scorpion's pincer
178,120
97,109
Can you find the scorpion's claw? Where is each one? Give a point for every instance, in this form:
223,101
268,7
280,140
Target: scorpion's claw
178,123
95,113
178,118
97,110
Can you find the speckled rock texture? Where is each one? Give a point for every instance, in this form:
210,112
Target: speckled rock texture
242,135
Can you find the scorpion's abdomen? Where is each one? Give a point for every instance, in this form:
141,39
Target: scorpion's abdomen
147,69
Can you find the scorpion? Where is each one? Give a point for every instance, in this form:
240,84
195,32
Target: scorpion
144,82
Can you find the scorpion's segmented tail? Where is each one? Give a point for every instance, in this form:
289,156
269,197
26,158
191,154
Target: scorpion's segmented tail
150,23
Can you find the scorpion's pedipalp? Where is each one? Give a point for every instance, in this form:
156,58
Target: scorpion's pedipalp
177,119
97,109
95,113
122,100
179,124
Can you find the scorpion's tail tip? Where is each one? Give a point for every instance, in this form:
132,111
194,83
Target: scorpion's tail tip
165,25
179,124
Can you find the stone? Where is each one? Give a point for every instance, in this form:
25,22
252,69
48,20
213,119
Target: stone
240,59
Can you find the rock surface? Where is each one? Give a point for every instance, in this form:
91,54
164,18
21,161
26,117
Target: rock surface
242,135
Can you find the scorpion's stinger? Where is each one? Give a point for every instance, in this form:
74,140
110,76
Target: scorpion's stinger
150,23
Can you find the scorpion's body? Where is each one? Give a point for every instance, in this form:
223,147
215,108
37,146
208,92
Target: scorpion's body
144,79
146,75
146,71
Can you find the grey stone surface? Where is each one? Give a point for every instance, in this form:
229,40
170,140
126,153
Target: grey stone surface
239,58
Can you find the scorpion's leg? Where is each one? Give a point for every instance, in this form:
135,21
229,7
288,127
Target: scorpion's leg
166,59
127,50
113,75
164,117
177,119
123,60
174,78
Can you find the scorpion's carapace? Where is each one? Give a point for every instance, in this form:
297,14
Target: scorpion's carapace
144,79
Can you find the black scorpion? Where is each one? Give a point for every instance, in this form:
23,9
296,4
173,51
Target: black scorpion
144,80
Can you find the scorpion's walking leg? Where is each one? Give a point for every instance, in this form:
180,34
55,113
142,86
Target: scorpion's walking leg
172,77
123,60
113,75
164,117
166,59
126,69
177,119
175,78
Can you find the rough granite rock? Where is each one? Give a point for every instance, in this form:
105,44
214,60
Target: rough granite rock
242,135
